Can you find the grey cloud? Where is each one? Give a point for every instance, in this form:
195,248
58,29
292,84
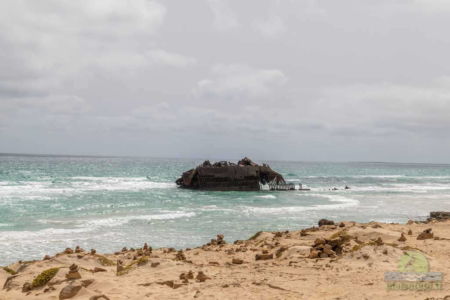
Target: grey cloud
240,81
224,17
312,79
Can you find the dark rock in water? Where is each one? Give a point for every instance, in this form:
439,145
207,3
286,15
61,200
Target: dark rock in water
439,215
225,176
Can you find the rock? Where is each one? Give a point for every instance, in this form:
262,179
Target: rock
154,264
328,250
68,251
97,269
379,241
341,224
402,238
69,291
180,256
319,241
410,232
145,246
237,261
426,234
263,256
26,287
87,282
73,272
47,257
93,251
78,249
325,222
99,297
439,215
201,277
280,251
303,232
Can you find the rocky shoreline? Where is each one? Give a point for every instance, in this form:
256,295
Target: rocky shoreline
335,260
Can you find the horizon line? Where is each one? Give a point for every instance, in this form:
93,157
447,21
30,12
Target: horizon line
197,158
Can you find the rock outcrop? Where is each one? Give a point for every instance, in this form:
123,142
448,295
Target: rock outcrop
226,176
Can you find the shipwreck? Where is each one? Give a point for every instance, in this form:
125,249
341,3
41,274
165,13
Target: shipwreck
227,176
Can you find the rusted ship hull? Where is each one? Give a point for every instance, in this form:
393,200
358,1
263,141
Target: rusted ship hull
225,176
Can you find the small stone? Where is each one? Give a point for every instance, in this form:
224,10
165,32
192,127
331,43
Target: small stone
201,277
154,264
68,251
26,287
145,246
124,249
426,234
97,269
69,291
314,254
73,275
47,257
237,261
263,256
410,232
341,224
87,282
78,249
73,272
319,241
190,275
379,241
180,256
93,251
402,238
99,297
325,222
303,233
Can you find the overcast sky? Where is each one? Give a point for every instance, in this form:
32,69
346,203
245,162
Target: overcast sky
361,80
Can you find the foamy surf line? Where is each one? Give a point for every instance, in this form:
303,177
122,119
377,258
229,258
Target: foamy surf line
344,202
118,220
82,185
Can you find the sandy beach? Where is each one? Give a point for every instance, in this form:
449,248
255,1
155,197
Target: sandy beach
346,260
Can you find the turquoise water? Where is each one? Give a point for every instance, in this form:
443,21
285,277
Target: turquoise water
50,203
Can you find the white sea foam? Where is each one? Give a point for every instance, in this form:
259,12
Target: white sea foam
47,234
267,197
342,203
116,220
31,190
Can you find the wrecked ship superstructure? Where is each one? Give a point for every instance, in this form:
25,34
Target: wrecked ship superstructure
226,176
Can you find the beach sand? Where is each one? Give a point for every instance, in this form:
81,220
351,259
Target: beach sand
270,265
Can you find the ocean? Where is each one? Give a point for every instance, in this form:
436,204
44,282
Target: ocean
48,203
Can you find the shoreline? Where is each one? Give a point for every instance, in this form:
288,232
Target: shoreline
346,260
